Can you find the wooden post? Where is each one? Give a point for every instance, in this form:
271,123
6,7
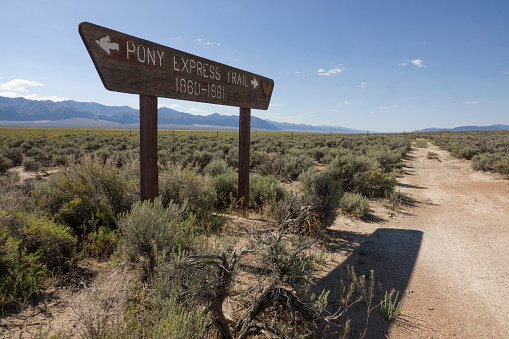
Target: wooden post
148,147
244,145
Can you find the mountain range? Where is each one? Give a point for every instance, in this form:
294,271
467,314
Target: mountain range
24,112
468,128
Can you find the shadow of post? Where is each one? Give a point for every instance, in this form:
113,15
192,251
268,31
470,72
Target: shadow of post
391,254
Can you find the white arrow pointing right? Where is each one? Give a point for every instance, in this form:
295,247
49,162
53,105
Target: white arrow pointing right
254,83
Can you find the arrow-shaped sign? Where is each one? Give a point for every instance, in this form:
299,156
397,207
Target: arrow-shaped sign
132,65
254,83
107,45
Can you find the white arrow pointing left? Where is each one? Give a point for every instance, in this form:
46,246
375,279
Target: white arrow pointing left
107,45
254,83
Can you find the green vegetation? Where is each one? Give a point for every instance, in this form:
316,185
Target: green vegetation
421,143
182,265
488,150
391,308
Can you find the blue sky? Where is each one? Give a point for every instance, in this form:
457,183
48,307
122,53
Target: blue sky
372,65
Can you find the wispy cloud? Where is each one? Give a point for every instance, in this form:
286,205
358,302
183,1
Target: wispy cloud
172,106
330,72
471,102
416,62
32,96
387,108
19,85
363,85
208,43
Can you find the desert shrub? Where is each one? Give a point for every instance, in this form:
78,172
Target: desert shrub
432,155
502,166
421,143
232,157
350,168
197,158
466,152
307,180
102,242
226,187
216,167
28,244
89,188
376,183
151,228
5,164
486,161
265,190
328,190
59,160
53,240
31,164
265,163
186,186
387,158
13,154
318,153
20,271
355,204
293,165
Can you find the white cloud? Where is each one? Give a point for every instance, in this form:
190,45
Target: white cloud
383,107
363,85
19,85
471,102
418,63
208,43
330,72
32,96
172,106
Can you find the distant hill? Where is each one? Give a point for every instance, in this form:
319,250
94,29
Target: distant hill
468,128
24,112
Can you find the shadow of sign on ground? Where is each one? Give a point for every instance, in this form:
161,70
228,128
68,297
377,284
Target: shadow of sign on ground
391,254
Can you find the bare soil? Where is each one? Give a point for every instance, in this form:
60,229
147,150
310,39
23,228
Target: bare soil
446,255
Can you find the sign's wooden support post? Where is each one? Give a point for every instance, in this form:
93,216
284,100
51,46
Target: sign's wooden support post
148,147
244,145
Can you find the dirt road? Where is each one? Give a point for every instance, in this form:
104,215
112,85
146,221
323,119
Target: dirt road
448,253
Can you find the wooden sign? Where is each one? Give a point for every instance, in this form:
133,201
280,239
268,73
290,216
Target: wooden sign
133,65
